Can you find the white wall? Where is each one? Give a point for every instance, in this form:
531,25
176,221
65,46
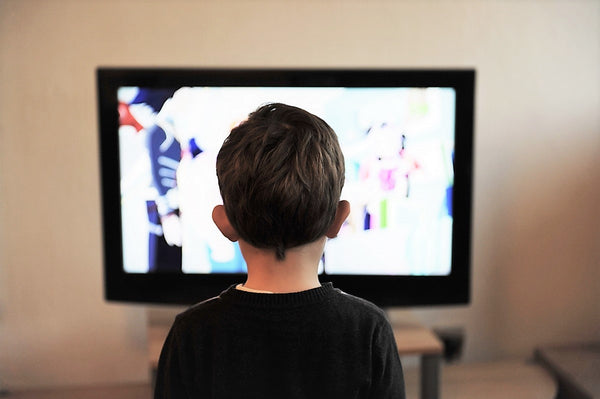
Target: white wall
536,246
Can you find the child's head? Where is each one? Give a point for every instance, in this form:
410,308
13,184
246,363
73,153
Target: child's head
281,173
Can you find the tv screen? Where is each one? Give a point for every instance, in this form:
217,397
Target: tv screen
407,142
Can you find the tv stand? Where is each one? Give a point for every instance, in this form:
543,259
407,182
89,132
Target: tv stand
415,339
411,339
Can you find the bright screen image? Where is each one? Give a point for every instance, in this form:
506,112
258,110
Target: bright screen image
398,145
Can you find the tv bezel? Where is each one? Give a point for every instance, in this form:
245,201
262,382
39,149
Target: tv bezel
186,289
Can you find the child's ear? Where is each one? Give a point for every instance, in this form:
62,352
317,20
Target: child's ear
222,221
343,210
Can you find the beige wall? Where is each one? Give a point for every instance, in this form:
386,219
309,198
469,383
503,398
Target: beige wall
536,245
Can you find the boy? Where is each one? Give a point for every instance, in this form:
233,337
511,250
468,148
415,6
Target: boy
281,334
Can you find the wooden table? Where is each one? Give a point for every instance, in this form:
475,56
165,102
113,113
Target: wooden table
411,339
414,339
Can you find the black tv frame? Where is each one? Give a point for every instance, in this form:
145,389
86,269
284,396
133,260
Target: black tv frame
185,289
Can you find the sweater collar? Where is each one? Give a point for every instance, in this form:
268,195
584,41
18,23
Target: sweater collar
292,299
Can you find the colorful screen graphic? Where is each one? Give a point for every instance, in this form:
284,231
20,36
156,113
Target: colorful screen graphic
398,145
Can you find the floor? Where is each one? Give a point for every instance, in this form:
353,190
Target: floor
134,391
495,380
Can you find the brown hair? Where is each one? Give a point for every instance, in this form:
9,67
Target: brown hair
281,173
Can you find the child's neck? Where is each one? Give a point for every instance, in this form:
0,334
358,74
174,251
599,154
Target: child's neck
297,272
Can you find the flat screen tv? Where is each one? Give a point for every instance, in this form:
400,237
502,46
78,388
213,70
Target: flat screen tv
407,138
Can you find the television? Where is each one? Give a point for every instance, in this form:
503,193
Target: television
407,138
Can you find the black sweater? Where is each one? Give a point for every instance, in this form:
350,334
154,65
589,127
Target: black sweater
320,343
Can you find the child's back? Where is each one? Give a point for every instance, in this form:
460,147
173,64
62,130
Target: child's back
281,334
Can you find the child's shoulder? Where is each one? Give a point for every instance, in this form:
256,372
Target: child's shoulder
200,313
360,306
